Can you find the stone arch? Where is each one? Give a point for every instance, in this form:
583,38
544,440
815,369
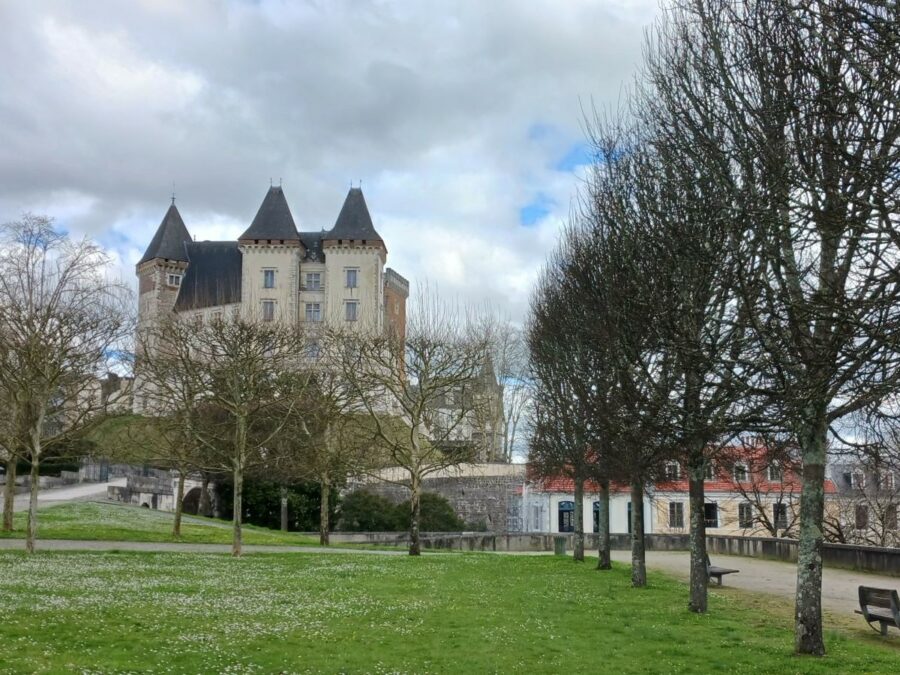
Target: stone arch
191,502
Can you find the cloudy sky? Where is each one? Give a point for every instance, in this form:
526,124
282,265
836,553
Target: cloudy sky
462,119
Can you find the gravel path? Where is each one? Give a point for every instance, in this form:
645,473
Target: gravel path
839,587
166,547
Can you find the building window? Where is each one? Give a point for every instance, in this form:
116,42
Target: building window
740,473
313,311
858,480
351,277
174,280
567,516
596,516
862,517
268,278
890,517
711,515
314,281
779,511
676,515
673,471
775,473
745,515
313,350
351,311
887,481
708,472
268,310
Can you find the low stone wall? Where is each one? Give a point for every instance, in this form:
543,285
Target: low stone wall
864,558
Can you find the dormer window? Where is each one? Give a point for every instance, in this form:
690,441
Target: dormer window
673,471
174,280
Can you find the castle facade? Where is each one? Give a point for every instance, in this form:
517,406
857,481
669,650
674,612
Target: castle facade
274,272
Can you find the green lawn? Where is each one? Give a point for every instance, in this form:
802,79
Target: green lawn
467,613
114,522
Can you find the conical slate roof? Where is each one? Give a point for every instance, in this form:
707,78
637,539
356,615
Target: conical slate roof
170,238
354,221
273,220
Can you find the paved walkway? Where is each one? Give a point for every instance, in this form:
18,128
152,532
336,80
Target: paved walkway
169,547
839,587
68,493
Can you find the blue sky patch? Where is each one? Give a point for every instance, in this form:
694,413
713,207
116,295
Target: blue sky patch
579,154
530,214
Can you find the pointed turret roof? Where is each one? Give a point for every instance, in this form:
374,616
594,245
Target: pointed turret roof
273,220
170,238
354,221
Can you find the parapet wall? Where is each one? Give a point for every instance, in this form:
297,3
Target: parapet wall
863,558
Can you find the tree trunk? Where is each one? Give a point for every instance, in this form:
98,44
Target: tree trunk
578,548
323,512
699,571
204,507
604,562
284,509
808,630
9,494
237,508
179,505
31,530
414,515
638,559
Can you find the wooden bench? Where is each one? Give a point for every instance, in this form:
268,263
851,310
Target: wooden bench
881,605
717,572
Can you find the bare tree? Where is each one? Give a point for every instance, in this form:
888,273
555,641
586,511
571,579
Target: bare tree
420,391
61,321
792,105
509,355
230,384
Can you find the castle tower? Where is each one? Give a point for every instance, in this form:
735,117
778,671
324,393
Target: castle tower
270,268
162,268
160,272
355,273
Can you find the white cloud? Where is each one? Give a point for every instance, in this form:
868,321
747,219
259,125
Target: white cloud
104,104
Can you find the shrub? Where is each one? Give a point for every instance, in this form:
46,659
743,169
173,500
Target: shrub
362,511
437,515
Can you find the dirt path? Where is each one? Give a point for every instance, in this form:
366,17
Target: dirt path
839,587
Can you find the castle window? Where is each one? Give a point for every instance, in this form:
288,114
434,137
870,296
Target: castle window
351,277
313,311
268,310
268,278
174,280
314,281
351,310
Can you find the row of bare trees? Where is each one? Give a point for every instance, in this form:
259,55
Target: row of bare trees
240,397
732,266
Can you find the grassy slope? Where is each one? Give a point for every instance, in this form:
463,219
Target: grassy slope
114,522
320,613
